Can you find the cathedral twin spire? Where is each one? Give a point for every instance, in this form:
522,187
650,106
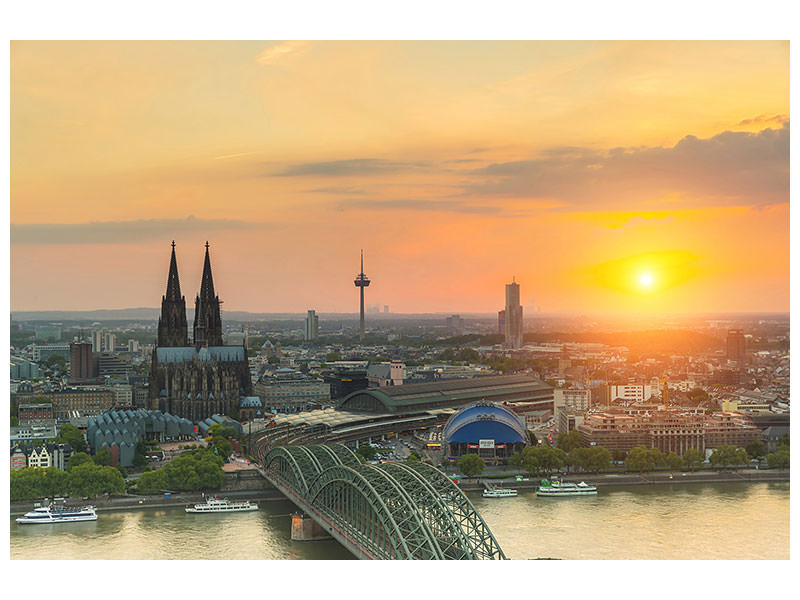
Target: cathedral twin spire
172,325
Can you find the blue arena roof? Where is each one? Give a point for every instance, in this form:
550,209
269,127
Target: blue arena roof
484,421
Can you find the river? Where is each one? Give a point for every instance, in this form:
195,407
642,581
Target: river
697,521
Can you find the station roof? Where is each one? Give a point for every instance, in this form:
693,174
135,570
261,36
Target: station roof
419,397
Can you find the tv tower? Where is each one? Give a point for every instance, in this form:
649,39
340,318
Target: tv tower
361,282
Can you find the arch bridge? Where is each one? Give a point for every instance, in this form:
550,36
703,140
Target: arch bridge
388,511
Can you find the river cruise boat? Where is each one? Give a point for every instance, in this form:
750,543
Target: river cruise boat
216,505
558,488
58,513
499,493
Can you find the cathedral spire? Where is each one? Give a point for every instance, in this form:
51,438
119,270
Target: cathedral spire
172,326
207,320
173,283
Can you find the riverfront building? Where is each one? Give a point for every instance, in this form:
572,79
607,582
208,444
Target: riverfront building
674,430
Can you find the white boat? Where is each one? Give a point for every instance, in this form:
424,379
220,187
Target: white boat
213,505
558,488
58,513
499,493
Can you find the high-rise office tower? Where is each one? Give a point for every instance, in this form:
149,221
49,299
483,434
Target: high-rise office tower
736,345
513,316
501,322
81,362
312,326
361,282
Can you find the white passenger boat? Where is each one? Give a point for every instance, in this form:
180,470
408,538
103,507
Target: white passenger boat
491,491
58,513
214,505
558,488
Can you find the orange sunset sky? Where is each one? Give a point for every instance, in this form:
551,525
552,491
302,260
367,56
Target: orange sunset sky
604,176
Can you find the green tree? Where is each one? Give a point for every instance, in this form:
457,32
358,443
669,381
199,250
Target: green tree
333,357
471,465
728,456
696,396
673,461
69,434
78,458
784,441
779,459
368,452
756,448
642,459
569,441
414,457
55,360
102,457
693,457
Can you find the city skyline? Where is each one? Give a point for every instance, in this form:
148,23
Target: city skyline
607,176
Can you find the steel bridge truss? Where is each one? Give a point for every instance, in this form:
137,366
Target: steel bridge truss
388,511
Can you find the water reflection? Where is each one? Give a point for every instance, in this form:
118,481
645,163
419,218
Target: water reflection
733,521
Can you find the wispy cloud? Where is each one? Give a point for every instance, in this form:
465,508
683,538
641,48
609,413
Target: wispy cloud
278,52
237,155
765,119
339,190
353,166
118,232
731,168
418,204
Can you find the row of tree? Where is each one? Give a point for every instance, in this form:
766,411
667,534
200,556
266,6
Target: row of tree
87,479
543,460
197,469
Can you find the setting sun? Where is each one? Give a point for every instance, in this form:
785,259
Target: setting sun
646,280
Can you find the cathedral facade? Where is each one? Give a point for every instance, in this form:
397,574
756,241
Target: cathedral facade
205,377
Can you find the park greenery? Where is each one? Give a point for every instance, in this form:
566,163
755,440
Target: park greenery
471,465
82,480
196,469
728,456
538,460
569,441
780,458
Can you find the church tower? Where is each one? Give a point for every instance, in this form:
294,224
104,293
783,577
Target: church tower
207,321
172,327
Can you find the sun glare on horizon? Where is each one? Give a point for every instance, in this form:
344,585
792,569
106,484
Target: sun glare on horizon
646,280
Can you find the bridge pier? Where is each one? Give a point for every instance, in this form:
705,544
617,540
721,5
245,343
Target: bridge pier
306,529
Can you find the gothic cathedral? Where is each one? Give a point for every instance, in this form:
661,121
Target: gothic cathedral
205,378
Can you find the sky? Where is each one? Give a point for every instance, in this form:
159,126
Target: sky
601,176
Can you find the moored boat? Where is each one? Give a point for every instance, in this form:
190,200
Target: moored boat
58,513
559,488
499,493
214,505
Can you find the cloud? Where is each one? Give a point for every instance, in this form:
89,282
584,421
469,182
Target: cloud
731,168
342,190
278,52
416,204
764,119
118,232
353,166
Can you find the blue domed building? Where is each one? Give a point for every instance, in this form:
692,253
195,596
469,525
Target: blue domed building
490,430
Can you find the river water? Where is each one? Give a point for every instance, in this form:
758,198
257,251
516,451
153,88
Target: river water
714,521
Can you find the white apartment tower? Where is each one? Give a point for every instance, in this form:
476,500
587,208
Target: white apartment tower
312,326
